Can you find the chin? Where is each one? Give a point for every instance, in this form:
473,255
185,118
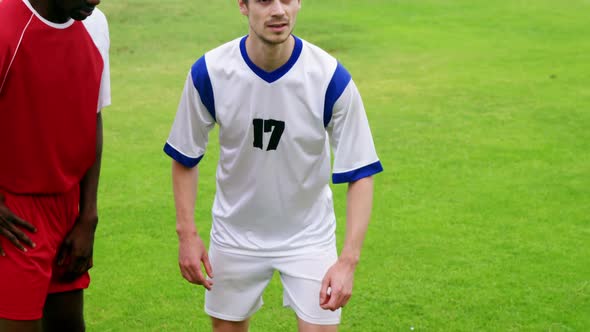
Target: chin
278,39
78,17
79,14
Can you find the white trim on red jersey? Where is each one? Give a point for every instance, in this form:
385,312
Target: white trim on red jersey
98,28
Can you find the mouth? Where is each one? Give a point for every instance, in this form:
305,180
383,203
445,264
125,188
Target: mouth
85,11
278,27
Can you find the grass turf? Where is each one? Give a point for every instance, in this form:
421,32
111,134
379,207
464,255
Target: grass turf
480,114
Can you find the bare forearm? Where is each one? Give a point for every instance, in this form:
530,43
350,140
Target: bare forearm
184,182
358,213
89,183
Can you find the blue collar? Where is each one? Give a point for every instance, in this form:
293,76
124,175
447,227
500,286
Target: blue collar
277,73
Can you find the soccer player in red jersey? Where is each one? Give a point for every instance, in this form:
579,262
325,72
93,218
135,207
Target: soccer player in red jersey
54,81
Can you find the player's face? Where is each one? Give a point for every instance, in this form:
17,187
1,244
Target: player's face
77,9
272,21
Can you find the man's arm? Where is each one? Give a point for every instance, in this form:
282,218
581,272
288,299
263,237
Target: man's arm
340,276
359,202
89,183
191,249
77,247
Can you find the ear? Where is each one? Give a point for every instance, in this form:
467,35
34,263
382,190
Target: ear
243,7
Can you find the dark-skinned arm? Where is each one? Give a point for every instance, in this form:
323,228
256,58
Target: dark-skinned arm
76,250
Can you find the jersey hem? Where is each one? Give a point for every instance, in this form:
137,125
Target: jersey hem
276,253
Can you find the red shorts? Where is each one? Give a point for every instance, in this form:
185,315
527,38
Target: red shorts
27,277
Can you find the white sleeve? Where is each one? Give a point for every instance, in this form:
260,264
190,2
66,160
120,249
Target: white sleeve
98,28
190,132
351,140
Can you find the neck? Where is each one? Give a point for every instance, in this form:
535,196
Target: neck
268,56
49,11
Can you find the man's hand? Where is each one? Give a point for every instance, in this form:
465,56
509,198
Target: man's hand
337,285
75,253
9,228
191,253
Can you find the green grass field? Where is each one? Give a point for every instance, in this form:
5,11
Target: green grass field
480,112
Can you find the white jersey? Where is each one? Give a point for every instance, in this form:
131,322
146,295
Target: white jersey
275,130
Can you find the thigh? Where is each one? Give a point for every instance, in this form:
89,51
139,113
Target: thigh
302,277
68,204
24,281
28,281
238,284
25,275
64,312
20,325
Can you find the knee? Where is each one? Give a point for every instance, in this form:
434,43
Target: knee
220,325
64,324
64,312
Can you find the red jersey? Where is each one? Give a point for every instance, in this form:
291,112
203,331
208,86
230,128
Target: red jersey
50,76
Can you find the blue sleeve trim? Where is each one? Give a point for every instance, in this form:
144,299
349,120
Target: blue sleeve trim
358,174
202,83
184,160
339,82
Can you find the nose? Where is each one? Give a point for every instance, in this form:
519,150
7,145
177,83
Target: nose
277,8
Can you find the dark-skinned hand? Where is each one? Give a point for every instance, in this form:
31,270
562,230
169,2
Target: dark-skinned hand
10,228
75,253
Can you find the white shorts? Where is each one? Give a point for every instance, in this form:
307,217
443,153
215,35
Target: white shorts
240,280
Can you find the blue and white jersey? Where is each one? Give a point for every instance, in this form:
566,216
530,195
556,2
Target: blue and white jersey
275,132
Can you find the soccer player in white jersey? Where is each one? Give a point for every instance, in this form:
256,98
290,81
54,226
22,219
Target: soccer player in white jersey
281,104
